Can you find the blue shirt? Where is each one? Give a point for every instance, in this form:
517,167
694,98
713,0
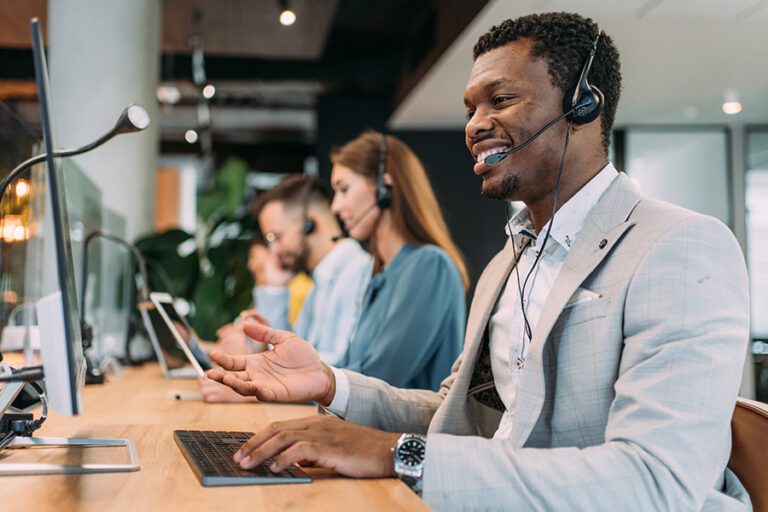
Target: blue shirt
412,322
331,309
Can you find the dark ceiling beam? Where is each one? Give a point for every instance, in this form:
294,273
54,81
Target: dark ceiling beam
261,155
383,69
433,33
364,69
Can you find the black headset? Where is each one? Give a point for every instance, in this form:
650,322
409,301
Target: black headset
309,225
581,105
584,101
383,189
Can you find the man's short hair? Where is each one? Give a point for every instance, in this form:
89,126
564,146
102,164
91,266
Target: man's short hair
564,40
295,191
258,239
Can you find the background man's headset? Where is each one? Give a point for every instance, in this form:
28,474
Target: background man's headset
308,226
581,105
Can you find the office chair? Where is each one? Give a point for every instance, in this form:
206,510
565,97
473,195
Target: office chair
749,427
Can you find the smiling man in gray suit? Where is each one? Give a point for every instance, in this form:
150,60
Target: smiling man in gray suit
604,345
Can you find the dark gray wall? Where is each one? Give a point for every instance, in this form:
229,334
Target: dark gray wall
476,222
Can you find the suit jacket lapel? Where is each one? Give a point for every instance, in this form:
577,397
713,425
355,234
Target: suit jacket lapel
485,299
489,287
603,228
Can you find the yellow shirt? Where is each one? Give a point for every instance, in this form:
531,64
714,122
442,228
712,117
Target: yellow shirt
298,289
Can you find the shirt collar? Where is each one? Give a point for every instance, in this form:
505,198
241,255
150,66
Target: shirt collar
399,258
570,218
378,279
335,260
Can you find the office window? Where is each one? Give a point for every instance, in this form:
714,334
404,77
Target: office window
757,229
687,166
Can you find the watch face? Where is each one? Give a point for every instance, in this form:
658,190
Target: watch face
412,452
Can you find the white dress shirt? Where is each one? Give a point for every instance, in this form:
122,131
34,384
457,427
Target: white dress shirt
508,343
330,311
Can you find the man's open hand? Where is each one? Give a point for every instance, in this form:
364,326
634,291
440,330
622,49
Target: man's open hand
290,372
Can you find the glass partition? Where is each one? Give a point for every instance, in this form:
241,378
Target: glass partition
18,142
687,166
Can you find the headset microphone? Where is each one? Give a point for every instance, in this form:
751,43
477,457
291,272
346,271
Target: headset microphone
345,232
498,157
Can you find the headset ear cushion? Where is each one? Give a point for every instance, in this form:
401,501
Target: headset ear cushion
309,227
383,195
588,106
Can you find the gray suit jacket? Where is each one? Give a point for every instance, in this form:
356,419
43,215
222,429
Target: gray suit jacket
624,402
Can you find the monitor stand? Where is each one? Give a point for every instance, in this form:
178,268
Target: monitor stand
7,396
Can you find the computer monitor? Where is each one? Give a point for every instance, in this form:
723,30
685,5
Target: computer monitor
59,322
113,293
61,342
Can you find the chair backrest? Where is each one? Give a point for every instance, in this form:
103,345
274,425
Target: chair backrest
749,456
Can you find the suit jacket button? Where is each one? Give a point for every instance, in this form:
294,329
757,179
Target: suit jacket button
603,243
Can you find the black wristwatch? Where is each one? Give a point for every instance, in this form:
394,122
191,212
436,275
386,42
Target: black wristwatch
408,455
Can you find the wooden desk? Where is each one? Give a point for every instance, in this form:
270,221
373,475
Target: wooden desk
137,405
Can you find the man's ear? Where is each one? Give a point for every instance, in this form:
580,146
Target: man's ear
596,123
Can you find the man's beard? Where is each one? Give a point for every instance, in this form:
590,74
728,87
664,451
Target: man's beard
504,189
300,260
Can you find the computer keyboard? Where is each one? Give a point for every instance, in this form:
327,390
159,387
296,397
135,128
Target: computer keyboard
209,454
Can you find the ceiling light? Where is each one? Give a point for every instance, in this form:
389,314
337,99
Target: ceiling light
287,18
190,136
168,94
208,91
731,105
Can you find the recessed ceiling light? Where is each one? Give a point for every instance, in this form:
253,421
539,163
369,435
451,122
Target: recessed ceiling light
731,105
287,18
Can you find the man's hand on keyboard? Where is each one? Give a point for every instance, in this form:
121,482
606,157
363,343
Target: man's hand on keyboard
291,372
347,448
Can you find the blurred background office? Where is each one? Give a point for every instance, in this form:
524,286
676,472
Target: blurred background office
243,92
